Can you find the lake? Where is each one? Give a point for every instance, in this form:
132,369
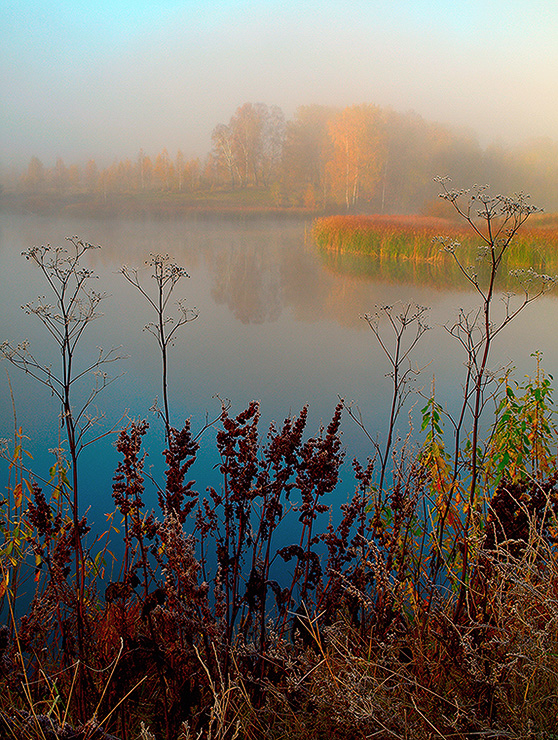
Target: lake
277,323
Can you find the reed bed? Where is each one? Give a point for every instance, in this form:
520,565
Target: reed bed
379,243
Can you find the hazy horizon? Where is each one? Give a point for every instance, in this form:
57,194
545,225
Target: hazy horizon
104,80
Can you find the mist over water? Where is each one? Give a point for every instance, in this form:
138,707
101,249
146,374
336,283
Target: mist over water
276,324
126,124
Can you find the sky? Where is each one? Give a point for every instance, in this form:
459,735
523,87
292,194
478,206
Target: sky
103,79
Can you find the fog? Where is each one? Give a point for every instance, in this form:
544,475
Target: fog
105,79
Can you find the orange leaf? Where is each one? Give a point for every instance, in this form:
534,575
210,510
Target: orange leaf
18,495
4,584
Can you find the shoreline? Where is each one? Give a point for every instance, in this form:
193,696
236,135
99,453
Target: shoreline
152,205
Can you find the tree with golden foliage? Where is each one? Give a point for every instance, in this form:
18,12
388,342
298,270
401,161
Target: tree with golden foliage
358,137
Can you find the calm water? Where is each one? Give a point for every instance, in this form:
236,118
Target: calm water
275,324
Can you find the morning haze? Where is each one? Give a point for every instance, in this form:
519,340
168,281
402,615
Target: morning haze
320,509
104,80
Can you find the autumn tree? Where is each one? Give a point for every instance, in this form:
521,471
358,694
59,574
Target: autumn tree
74,177
190,174
358,137
60,178
416,150
91,175
248,150
127,175
144,170
223,153
186,173
106,180
163,171
247,126
33,179
272,141
306,151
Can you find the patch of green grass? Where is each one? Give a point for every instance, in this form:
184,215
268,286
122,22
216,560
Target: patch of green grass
409,247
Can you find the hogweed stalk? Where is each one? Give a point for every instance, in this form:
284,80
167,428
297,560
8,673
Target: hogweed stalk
166,275
495,220
75,305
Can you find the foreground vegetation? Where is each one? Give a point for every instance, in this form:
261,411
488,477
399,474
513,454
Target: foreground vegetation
425,607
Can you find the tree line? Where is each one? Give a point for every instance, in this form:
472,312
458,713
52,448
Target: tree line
358,158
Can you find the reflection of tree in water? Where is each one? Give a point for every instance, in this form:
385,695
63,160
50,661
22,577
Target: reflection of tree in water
260,269
318,294
256,278
305,284
247,279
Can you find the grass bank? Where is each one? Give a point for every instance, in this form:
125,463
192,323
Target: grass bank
247,202
407,247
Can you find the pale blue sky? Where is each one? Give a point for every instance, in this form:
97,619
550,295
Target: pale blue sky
102,79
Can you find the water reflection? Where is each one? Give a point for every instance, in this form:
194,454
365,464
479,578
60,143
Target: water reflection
247,280
440,274
279,322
